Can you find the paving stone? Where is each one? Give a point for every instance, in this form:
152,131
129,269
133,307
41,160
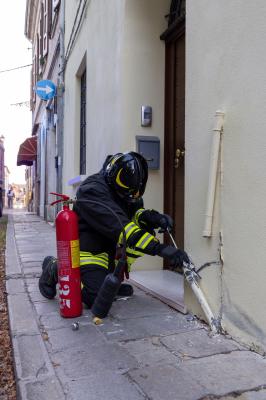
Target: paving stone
115,387
54,320
11,257
21,314
14,286
143,350
139,305
33,264
32,271
42,390
65,338
36,259
32,284
255,395
46,307
138,328
83,361
199,343
150,352
35,296
32,353
193,379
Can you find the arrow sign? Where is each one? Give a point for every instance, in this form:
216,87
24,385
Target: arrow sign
45,89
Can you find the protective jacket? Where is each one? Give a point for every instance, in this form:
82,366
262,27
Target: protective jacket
102,218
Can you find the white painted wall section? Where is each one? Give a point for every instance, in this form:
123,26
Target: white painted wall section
226,70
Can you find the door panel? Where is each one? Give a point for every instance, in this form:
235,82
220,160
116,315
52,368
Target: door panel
175,132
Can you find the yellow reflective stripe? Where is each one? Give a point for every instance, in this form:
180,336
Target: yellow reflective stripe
93,261
134,229
130,261
103,256
94,258
144,241
129,229
137,215
87,258
131,252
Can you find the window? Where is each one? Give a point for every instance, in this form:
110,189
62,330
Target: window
40,37
54,15
83,124
177,11
56,4
46,25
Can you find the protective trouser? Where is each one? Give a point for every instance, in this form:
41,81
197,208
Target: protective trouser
93,270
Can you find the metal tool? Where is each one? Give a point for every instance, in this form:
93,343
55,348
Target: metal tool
192,278
75,326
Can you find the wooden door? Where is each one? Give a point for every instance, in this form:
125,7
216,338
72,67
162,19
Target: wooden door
174,160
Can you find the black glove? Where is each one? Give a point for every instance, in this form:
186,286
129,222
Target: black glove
153,220
175,256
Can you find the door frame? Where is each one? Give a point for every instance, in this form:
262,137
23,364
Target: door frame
170,36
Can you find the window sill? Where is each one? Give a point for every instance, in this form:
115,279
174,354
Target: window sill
77,180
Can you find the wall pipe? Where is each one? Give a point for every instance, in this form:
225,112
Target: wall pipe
217,130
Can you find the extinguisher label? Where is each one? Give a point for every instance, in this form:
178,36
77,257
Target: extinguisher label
74,246
63,254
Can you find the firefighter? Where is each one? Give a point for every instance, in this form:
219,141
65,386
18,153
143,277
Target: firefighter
116,204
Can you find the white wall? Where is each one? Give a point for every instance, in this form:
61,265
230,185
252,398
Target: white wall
100,40
124,55
226,69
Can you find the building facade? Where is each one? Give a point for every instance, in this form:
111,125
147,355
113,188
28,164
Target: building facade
194,72
42,28
225,70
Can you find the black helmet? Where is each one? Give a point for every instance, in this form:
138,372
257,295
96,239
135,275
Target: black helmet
127,174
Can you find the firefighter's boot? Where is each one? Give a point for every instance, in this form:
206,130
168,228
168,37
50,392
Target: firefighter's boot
49,277
125,290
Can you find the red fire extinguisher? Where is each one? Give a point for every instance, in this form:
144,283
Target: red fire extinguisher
67,240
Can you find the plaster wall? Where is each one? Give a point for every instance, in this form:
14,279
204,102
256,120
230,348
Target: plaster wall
119,42
225,69
98,48
143,70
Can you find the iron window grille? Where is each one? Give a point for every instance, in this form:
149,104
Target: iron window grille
83,124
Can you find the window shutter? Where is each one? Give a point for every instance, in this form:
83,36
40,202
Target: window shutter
45,26
56,4
34,78
41,40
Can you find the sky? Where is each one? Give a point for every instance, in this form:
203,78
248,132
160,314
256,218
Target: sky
15,51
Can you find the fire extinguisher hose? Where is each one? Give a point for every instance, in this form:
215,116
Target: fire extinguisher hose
124,245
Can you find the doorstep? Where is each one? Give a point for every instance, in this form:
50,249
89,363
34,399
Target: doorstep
167,286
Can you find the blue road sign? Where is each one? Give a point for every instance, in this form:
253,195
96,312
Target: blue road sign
45,89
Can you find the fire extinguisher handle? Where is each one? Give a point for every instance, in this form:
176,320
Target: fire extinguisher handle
55,202
63,198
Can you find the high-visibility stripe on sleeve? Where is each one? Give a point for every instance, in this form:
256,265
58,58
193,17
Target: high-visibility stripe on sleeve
132,256
129,229
137,215
144,241
134,253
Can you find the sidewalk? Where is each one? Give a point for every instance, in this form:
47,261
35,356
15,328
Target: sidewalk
143,350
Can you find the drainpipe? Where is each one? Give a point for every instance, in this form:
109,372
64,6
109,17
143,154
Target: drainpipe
219,115
60,98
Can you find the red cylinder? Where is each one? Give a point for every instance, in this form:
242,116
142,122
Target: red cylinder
67,239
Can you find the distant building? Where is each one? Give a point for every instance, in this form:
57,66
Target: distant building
6,186
42,29
2,174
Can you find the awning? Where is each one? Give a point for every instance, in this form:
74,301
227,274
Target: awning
27,151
